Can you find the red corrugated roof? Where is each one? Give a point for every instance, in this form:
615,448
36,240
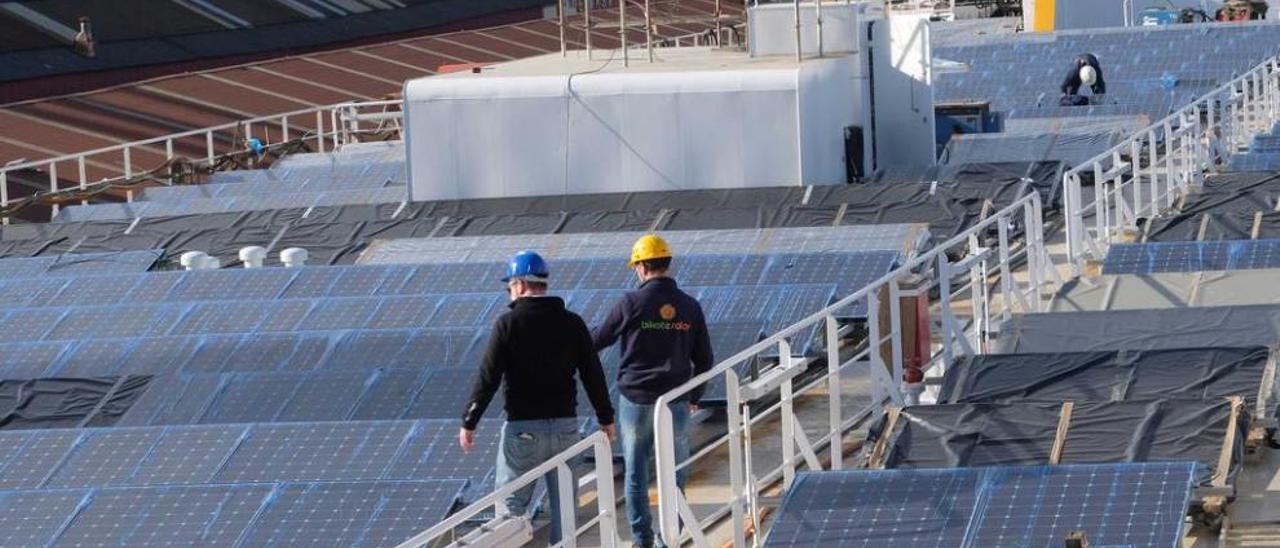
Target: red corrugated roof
84,121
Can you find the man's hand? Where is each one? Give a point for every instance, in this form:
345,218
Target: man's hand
466,439
610,430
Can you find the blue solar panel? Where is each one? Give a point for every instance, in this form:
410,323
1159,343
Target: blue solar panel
1152,257
1114,504
78,264
320,451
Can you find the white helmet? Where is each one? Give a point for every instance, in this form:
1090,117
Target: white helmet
1088,76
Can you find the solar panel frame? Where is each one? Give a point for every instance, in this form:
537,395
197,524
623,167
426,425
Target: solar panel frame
1143,505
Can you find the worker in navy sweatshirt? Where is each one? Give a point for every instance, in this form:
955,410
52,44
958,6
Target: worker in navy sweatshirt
664,344
536,349
1084,71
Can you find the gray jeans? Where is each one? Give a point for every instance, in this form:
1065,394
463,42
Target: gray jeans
526,444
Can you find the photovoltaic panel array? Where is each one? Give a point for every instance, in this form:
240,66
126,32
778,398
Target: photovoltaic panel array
245,453
363,513
76,264
1153,257
902,238
1114,504
848,270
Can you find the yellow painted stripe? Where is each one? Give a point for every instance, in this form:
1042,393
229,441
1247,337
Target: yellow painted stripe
1044,16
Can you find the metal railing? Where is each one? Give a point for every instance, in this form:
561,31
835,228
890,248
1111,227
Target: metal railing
967,305
516,531
323,128
1141,177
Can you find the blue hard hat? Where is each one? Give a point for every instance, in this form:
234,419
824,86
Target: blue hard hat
526,263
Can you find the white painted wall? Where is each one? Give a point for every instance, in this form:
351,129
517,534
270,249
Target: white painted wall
772,28
613,132
903,80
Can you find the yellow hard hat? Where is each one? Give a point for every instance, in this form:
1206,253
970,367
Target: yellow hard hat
648,247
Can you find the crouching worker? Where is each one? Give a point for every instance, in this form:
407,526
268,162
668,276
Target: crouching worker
1085,71
664,344
534,352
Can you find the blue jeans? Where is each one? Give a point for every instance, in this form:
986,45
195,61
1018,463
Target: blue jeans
635,427
523,446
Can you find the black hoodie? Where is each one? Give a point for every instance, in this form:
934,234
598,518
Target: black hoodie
537,347
1071,84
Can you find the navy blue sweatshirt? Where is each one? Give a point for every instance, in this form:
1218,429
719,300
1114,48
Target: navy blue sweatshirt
664,340
537,347
1071,84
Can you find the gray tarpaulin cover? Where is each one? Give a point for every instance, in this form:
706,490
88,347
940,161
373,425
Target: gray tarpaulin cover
1195,373
68,402
994,434
1215,326
336,235
1225,208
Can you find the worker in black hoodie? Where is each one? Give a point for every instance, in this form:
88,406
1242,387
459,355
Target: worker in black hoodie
1085,71
537,347
664,344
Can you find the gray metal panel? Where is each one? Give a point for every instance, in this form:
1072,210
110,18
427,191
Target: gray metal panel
1169,290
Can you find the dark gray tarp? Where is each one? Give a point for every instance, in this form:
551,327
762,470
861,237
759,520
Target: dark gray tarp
1211,326
1194,373
995,434
336,235
68,402
1225,207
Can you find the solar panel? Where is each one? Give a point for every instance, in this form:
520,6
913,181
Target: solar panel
28,324
463,310
79,264
212,354
188,455
329,315
34,518
390,393
364,350
39,456
250,398
268,352
97,290
446,392
1153,257
168,516
29,360
351,514
104,457
318,451
432,451
312,282
325,396
285,315
1114,504
404,312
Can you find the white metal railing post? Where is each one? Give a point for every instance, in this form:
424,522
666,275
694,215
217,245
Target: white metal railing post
832,338
606,506
944,301
788,418
665,467
568,504
1006,273
1036,252
320,130
738,484
84,177
53,184
4,194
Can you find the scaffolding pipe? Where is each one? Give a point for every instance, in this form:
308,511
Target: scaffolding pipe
586,16
622,31
718,33
564,50
796,5
648,30
817,11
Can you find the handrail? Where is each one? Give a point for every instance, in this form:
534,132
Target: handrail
332,126
598,442
979,265
1179,149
